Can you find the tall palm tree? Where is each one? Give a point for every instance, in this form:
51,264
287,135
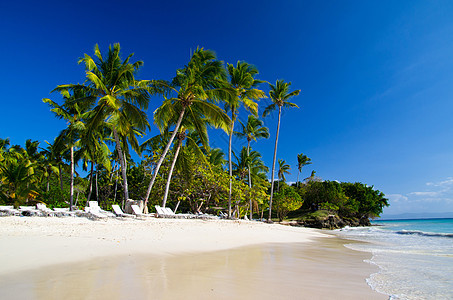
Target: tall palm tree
194,86
249,167
302,160
121,99
244,84
193,140
252,131
283,168
279,94
75,113
94,150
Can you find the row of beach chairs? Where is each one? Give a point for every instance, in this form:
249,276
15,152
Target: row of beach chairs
167,212
94,211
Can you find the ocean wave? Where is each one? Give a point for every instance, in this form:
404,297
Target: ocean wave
422,233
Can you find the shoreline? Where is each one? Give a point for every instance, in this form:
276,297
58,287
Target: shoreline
45,245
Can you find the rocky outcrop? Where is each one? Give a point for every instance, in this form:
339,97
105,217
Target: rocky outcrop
329,222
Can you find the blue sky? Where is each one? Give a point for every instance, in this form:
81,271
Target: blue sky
376,77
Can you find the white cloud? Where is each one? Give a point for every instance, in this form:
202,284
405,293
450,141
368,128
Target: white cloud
425,194
438,197
397,198
447,182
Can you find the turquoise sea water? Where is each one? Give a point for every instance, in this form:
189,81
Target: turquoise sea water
415,256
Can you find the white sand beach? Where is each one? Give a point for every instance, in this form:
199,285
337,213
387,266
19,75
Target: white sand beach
35,254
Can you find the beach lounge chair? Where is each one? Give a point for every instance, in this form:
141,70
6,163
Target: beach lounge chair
223,215
29,211
9,210
171,213
95,211
161,212
96,207
64,211
137,211
167,212
119,212
45,210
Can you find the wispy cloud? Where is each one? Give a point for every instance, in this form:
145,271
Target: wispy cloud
397,198
447,182
425,194
436,197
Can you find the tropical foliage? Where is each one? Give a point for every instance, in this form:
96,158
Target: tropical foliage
106,115
349,200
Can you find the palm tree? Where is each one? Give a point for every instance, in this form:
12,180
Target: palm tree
49,164
54,153
75,113
216,157
279,94
244,84
302,160
193,139
121,99
252,131
17,181
195,85
283,168
93,150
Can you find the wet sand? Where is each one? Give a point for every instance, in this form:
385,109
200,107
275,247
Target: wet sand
316,268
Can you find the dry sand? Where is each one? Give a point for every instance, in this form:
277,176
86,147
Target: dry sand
76,258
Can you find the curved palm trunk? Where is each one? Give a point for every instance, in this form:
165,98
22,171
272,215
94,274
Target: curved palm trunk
116,187
273,163
97,182
162,157
230,163
167,187
123,165
71,198
298,173
250,181
123,203
61,176
91,183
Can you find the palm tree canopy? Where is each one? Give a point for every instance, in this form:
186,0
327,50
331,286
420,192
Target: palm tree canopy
280,94
195,87
244,84
121,99
253,130
252,160
283,168
216,157
302,160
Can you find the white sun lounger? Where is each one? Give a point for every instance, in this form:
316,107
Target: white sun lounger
45,210
170,211
29,211
167,212
119,212
138,212
161,212
9,210
64,211
95,211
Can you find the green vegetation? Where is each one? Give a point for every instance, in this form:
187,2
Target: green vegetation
106,115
